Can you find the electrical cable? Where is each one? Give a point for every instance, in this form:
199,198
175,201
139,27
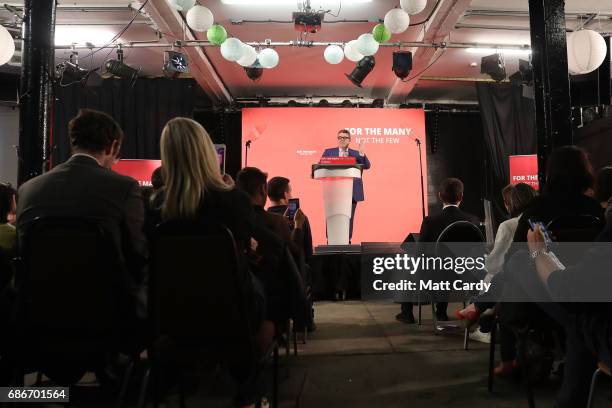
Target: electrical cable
426,68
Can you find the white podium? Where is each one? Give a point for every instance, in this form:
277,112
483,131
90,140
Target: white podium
337,182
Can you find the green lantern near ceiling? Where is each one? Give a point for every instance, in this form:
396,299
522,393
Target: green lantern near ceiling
381,33
216,34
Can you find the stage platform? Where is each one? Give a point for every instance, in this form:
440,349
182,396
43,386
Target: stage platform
337,268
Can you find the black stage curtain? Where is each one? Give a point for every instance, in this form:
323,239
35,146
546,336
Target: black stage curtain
225,127
142,111
454,149
508,123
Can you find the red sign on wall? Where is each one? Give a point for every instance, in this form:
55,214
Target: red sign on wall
140,170
524,169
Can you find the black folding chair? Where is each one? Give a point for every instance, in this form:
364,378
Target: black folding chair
71,300
457,232
199,303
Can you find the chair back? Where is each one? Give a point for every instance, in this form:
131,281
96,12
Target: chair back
461,231
575,228
199,288
457,233
70,285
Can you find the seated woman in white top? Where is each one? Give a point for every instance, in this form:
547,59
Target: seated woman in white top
516,199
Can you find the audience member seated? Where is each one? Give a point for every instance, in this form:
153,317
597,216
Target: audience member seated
588,331
279,255
84,187
516,199
279,193
603,189
194,189
157,183
451,196
254,182
8,234
8,240
568,179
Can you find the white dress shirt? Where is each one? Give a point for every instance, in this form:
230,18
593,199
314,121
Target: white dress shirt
504,238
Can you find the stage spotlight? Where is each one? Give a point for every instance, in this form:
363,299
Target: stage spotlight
347,104
69,73
402,64
254,72
175,63
323,103
378,103
493,65
292,103
120,69
362,70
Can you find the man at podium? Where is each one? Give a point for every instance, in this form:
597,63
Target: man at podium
343,150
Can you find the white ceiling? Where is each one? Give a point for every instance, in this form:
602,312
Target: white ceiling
302,71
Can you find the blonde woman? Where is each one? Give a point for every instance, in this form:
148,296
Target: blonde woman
193,184
194,188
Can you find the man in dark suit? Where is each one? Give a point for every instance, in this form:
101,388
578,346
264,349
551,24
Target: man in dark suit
344,140
279,193
451,195
272,231
85,186
279,270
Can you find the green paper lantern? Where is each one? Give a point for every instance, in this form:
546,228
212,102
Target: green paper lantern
216,34
381,33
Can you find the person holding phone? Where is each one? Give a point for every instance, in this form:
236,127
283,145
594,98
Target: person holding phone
343,150
282,202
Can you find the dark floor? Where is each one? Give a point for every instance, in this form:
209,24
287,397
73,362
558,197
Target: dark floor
361,357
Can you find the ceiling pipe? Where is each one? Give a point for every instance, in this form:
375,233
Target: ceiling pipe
202,43
519,13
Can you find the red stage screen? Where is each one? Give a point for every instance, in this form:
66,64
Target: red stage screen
524,169
287,141
140,170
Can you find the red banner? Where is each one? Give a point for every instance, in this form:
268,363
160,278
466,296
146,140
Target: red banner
288,141
140,170
524,169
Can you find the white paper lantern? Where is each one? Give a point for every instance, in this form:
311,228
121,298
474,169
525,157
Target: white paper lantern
268,58
200,18
413,7
586,50
397,21
7,46
351,51
232,49
249,56
182,5
333,54
367,45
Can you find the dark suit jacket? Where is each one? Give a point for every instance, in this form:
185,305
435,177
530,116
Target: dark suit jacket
82,188
433,225
279,226
357,183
